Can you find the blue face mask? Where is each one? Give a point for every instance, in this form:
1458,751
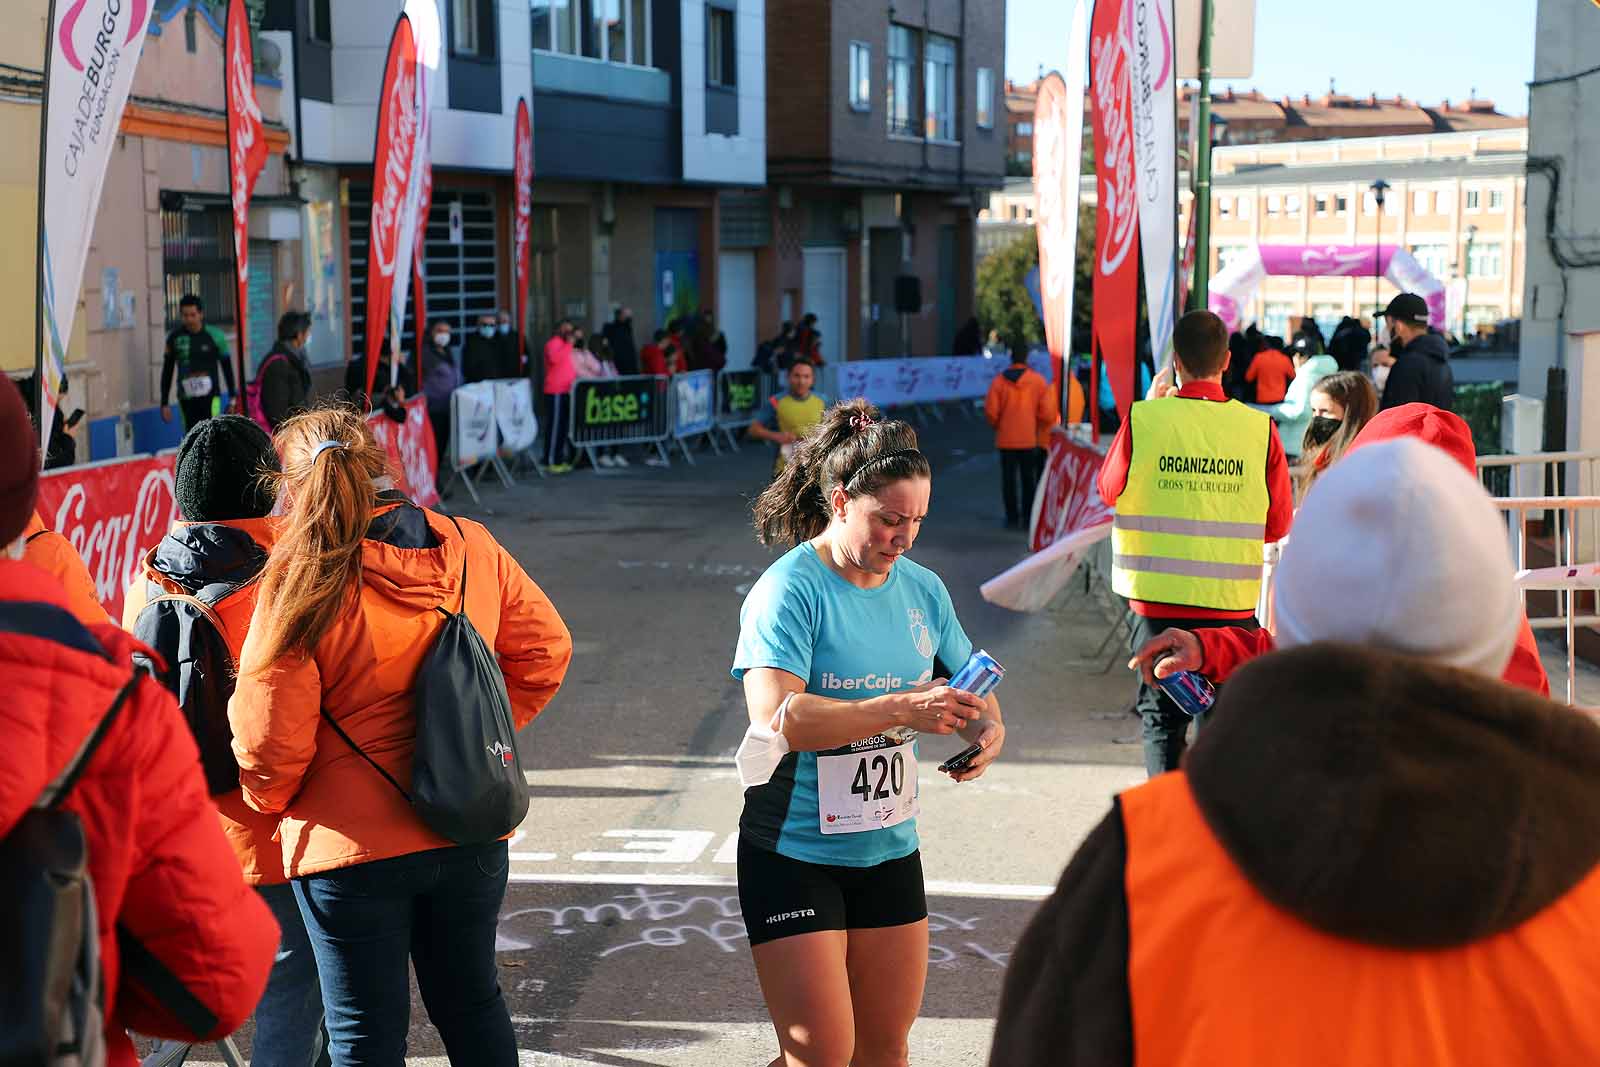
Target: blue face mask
486,331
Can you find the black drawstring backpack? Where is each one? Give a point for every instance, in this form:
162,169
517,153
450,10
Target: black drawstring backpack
467,782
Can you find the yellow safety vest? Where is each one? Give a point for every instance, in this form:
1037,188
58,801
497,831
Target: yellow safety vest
796,417
1192,518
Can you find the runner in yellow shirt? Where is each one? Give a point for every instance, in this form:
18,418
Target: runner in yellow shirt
791,416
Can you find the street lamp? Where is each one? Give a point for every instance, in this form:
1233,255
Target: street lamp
1379,188
1466,278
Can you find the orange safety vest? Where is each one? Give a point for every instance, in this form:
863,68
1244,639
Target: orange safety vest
1218,975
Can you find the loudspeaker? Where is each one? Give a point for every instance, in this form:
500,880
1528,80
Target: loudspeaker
908,294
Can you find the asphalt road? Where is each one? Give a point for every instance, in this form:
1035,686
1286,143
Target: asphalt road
621,941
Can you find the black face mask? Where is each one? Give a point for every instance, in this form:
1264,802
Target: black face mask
1322,430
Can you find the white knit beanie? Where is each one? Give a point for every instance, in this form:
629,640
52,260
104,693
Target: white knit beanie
1399,548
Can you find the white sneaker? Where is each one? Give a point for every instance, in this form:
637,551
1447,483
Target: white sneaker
605,461
620,461
655,461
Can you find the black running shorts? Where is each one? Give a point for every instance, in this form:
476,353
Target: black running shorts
781,897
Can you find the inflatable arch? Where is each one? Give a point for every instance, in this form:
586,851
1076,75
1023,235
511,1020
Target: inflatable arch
1232,288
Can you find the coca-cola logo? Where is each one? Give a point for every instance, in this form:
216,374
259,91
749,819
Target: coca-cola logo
399,139
1118,203
113,544
245,126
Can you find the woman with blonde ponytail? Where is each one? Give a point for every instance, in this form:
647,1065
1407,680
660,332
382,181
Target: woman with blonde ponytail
844,647
348,606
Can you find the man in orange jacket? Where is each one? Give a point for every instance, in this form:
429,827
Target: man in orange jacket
1375,854
1021,407
185,946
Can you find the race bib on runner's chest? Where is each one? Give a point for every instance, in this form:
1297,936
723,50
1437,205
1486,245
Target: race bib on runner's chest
197,386
867,785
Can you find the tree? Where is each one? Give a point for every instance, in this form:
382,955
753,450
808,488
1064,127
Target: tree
1003,302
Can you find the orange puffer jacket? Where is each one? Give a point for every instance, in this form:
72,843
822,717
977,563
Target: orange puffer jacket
162,871
1021,407
336,811
190,558
54,555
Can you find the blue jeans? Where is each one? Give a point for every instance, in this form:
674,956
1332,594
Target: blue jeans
289,1018
1166,726
437,908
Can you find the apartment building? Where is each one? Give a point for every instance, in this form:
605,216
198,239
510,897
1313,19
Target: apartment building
892,138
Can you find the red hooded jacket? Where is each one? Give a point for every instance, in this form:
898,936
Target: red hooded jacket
162,870
1225,649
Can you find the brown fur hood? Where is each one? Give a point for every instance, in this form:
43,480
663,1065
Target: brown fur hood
1393,801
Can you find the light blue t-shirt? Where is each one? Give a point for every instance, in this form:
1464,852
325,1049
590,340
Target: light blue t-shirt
848,643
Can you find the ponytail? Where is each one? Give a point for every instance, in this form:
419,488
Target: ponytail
330,466
850,449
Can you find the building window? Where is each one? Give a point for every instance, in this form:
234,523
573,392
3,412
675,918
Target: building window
1321,205
322,21
1341,206
1391,205
1483,260
1274,203
1482,317
472,29
1226,254
720,40
1419,202
1024,129
860,76
1434,258
1497,200
902,62
1472,199
1224,207
939,81
985,106
616,31
1291,204
1369,204
1024,156
1244,207
1275,319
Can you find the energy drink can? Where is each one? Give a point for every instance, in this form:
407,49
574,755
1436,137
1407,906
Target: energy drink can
980,675
1190,691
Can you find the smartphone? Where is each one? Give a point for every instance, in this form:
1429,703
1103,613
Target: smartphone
961,759
73,419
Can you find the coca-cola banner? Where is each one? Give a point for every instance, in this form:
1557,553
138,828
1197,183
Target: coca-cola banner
1116,269
391,182
1057,163
1068,498
91,51
522,175
1069,519
114,514
247,154
411,450
1147,27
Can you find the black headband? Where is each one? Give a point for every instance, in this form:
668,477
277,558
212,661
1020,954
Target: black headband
879,459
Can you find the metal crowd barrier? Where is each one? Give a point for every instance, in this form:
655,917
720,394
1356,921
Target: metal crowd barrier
601,416
741,397
1561,474
1578,574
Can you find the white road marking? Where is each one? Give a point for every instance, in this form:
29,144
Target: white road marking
935,886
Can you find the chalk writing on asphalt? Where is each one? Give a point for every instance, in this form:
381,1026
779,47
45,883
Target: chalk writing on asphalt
650,916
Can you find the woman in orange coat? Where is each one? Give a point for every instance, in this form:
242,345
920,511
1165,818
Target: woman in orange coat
346,613
54,555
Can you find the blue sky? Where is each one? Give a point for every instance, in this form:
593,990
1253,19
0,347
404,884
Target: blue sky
1437,49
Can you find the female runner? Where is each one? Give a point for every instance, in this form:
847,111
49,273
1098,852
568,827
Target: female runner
840,643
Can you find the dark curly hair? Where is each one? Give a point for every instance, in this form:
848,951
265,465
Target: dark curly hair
850,449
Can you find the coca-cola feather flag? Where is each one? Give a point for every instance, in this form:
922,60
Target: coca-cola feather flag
392,155
247,154
1116,268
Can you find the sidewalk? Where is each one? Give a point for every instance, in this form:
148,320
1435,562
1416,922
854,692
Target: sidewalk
1554,654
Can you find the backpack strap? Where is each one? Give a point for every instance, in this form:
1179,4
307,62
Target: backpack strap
194,602
463,534
331,721
57,790
48,622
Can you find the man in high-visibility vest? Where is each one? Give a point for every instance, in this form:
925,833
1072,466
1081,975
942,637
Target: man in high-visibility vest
1199,482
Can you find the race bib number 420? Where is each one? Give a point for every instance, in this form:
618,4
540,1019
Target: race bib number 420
868,785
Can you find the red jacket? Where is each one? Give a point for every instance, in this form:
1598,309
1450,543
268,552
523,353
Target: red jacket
1280,512
161,868
1227,648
